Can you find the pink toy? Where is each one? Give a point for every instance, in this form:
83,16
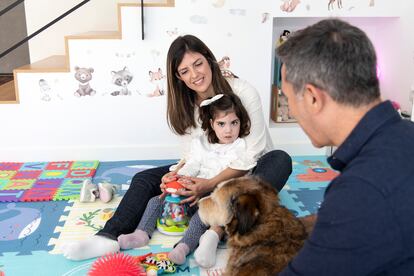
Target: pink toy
117,264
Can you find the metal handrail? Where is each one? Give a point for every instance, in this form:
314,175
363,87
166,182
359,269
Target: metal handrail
11,6
43,28
142,19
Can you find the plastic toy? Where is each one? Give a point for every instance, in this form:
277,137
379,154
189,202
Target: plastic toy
174,219
116,264
156,264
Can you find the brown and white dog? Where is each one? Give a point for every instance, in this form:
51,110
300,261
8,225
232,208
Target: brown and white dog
263,236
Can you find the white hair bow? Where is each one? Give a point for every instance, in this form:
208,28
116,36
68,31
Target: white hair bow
211,100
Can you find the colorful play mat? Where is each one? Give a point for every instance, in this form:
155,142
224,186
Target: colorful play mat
44,181
32,233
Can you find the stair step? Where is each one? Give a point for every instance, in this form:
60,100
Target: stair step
59,63
56,63
96,35
7,93
5,77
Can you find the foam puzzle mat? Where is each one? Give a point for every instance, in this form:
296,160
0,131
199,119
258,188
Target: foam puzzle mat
43,181
31,233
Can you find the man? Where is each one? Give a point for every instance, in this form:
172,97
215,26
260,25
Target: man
365,225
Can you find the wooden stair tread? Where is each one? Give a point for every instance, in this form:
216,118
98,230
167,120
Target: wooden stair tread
7,93
166,3
96,35
57,63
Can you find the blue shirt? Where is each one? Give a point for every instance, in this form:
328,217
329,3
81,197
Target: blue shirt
365,225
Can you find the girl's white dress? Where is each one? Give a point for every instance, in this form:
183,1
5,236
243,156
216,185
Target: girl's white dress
206,160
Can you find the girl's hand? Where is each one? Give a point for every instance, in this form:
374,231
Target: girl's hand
168,177
195,188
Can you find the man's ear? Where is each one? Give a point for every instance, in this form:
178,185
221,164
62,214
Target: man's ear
315,98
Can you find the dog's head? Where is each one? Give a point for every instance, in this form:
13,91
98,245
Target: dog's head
238,204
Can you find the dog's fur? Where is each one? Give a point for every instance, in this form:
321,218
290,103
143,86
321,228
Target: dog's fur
263,236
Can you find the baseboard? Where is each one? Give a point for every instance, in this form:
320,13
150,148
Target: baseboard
101,153
118,153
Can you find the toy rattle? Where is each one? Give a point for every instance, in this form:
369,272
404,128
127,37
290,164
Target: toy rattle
174,219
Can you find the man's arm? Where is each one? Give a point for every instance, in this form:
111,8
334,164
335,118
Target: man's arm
354,233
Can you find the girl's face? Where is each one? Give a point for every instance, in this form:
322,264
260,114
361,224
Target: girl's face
226,127
194,70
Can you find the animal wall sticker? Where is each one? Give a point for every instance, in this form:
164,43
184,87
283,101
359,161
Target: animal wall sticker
83,76
46,92
339,4
157,80
289,5
122,78
224,65
332,2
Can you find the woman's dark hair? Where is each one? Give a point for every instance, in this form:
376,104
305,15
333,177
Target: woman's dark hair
226,104
181,99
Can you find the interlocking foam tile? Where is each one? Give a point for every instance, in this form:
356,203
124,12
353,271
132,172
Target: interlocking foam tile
25,227
43,263
10,166
289,201
122,172
318,175
43,181
82,220
310,200
305,188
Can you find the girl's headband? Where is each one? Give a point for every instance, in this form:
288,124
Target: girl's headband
211,100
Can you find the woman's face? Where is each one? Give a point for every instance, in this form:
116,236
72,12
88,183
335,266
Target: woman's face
194,70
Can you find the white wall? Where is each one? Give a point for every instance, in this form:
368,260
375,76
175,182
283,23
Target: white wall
96,15
108,128
401,43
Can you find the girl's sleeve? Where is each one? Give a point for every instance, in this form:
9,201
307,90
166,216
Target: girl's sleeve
243,160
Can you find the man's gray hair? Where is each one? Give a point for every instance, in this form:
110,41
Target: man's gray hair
333,56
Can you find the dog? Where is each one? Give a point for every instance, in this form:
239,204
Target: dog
263,236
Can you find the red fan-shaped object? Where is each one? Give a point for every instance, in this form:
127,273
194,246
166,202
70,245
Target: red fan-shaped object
117,264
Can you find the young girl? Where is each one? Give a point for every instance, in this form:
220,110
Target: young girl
226,122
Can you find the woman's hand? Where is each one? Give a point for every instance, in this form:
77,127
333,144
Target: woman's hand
168,177
195,188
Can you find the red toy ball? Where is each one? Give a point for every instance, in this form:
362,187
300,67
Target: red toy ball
116,264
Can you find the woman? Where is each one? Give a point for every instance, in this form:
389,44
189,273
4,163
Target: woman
193,75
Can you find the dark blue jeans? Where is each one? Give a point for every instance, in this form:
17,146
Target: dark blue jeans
273,167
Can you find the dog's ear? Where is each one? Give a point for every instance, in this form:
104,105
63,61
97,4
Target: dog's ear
246,213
